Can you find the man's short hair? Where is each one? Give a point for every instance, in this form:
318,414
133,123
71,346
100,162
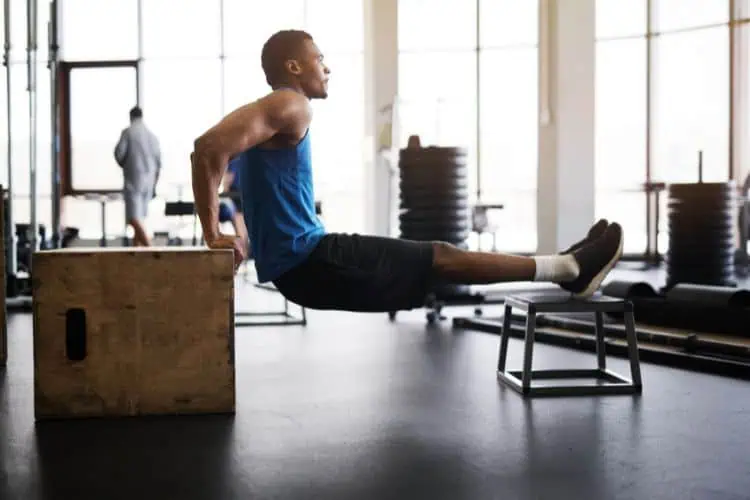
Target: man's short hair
278,49
136,112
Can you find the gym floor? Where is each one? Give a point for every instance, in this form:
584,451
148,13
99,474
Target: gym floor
353,406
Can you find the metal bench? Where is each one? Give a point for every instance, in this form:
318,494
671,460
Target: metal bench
605,381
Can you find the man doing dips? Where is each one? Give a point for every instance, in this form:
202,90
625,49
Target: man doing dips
270,140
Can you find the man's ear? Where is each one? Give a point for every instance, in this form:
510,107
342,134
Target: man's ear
293,67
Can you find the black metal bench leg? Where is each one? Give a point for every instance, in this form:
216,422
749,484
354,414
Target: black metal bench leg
600,345
528,351
635,364
504,336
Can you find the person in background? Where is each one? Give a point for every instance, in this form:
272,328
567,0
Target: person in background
139,155
230,206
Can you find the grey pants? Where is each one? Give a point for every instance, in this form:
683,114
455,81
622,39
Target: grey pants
136,204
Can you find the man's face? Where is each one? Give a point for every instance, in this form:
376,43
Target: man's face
313,73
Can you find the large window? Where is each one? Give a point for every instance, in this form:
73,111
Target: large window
19,108
197,63
455,75
620,144
508,135
508,111
437,78
245,30
181,100
337,133
112,35
687,86
691,99
188,29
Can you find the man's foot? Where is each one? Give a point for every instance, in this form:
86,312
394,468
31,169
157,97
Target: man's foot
594,233
595,260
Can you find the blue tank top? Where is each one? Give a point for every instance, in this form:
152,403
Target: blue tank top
278,204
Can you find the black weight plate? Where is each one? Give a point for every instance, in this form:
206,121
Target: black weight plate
432,153
699,226
705,211
427,164
415,203
706,229
434,199
449,236
418,216
702,215
672,281
436,193
719,268
688,245
703,261
707,205
432,167
692,206
698,235
435,184
689,198
436,227
432,178
703,187
704,279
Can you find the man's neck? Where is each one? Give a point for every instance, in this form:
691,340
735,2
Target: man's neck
286,86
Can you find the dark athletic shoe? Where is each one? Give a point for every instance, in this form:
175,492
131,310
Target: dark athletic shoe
595,260
595,231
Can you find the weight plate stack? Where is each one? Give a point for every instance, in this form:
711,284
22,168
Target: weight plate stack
701,233
435,198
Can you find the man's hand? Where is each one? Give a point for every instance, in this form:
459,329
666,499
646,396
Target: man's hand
231,242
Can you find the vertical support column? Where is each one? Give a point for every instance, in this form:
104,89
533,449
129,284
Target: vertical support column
10,238
139,76
52,65
222,59
740,93
31,67
381,88
566,187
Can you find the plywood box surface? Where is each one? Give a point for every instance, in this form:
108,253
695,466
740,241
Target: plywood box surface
133,331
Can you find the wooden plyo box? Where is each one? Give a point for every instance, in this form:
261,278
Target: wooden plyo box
133,331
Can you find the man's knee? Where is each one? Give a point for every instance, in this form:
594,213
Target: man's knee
444,254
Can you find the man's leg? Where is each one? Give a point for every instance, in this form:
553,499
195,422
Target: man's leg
580,271
140,237
135,212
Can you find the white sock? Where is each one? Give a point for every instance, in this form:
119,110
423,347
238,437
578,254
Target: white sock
556,268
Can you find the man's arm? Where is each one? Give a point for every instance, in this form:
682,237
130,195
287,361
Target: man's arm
242,129
157,155
121,149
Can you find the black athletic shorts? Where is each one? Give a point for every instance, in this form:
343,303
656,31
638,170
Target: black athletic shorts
351,272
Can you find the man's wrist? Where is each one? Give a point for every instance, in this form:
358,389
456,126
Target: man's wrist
211,235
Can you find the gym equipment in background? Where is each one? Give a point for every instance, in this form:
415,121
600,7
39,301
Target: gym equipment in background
605,381
434,206
694,307
694,327
435,199
702,218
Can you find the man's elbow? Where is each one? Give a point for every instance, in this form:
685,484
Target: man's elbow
205,153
